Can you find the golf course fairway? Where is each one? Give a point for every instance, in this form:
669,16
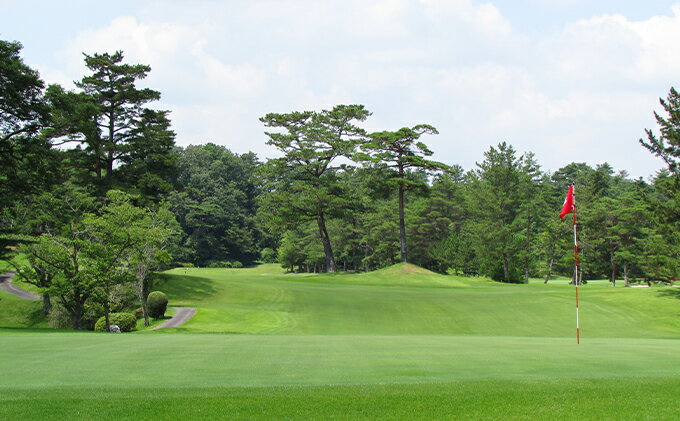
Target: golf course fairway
400,343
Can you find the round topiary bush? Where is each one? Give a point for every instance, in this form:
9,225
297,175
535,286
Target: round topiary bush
125,321
157,303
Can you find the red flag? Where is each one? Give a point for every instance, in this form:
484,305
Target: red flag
568,206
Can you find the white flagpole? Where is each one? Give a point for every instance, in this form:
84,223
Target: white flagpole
576,280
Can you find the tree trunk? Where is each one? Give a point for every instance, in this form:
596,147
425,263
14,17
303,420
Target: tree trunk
77,315
47,303
145,311
506,268
549,274
402,225
527,245
106,315
146,288
328,251
143,289
625,274
109,153
613,263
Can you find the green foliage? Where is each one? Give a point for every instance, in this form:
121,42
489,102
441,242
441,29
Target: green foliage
268,255
667,146
501,193
229,264
401,151
125,321
158,303
28,163
94,252
185,265
215,205
121,144
303,185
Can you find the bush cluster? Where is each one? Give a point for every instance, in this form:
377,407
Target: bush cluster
229,264
268,255
157,303
184,265
125,321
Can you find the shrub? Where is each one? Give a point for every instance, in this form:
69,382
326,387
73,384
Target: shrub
228,264
59,318
139,313
268,255
157,303
184,265
125,321
122,297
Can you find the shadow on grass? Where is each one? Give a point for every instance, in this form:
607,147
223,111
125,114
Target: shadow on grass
184,287
36,317
671,292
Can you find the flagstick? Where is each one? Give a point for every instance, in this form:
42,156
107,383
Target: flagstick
578,333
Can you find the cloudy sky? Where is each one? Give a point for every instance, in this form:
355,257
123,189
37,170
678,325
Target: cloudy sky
570,80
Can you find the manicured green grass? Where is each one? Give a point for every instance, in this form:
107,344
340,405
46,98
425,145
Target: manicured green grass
401,343
409,300
16,312
83,376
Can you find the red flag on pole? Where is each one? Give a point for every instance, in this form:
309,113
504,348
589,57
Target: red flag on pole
568,206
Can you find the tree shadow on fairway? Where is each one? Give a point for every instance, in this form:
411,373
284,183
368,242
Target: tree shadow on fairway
671,292
180,287
36,317
31,319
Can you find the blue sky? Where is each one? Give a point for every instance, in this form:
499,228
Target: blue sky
570,80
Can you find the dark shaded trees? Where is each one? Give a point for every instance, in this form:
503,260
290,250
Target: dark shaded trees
215,204
27,162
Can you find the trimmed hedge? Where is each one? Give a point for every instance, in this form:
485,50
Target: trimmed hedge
125,321
157,303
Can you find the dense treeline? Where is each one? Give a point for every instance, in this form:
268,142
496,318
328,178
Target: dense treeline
97,196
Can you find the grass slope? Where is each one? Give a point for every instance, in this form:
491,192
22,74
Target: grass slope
405,299
400,343
16,312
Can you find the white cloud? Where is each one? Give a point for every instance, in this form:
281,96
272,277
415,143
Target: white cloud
459,65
